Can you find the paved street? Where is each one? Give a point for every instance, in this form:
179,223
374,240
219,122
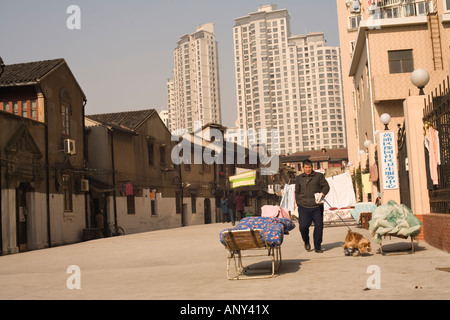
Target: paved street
190,263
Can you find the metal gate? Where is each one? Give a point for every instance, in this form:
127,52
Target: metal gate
437,115
403,171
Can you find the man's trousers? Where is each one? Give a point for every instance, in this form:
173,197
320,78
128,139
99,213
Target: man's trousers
306,216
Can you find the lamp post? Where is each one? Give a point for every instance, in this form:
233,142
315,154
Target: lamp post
420,79
385,119
367,144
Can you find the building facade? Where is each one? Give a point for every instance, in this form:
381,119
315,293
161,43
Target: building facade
42,203
194,90
382,44
133,180
287,83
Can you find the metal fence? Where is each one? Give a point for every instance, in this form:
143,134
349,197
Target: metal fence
437,114
403,174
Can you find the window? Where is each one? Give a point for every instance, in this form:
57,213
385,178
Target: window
67,192
65,119
6,107
392,13
352,47
130,205
33,110
151,153
401,61
447,5
24,105
15,108
353,22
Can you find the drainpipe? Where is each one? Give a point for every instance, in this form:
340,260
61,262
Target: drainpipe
84,163
47,165
114,177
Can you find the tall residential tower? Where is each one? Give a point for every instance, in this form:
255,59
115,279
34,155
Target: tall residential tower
193,91
291,84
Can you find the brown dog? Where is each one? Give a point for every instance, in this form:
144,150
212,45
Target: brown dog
356,241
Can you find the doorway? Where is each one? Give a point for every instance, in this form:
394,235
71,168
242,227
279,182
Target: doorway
22,216
207,211
98,206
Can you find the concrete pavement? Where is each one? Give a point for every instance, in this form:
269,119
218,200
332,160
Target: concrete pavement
190,264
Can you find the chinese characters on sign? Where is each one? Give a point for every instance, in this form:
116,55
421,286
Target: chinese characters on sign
389,167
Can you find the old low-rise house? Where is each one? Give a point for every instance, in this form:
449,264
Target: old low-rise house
42,156
133,179
331,162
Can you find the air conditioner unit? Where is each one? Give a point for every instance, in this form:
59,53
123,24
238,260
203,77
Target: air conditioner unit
69,147
355,7
84,185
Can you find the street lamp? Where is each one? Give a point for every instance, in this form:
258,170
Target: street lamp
385,119
367,144
420,79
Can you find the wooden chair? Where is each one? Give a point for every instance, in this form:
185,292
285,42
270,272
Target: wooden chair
249,240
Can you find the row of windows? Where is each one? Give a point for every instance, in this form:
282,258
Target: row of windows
23,108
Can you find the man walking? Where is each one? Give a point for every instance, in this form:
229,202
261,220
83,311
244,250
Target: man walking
307,185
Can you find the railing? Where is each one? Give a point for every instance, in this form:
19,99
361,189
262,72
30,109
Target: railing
386,3
388,9
403,174
437,115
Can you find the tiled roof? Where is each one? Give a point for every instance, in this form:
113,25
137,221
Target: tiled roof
27,73
130,120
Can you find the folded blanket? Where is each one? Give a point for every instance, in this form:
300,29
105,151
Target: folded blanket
394,219
273,229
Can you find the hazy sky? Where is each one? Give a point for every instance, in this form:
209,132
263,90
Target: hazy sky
123,54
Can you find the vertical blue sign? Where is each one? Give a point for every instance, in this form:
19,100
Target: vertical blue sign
389,165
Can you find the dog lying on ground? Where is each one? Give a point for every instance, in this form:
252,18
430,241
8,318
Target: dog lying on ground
356,243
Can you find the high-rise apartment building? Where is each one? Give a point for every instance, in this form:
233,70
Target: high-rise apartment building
291,84
382,43
193,91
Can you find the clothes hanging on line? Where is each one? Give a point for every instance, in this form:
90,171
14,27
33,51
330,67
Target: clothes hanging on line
288,199
432,144
129,189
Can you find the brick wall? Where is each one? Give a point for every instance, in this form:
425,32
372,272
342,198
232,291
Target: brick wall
436,230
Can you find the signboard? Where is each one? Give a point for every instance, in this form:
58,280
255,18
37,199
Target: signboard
243,179
388,157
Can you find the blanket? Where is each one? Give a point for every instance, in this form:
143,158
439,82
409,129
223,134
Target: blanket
274,211
273,229
394,219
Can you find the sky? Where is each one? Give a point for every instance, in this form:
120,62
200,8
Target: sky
122,55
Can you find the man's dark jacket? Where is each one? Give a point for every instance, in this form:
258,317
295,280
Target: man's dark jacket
306,186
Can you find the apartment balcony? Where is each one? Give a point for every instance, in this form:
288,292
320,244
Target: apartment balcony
392,9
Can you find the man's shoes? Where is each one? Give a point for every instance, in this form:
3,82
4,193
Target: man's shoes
307,246
318,251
